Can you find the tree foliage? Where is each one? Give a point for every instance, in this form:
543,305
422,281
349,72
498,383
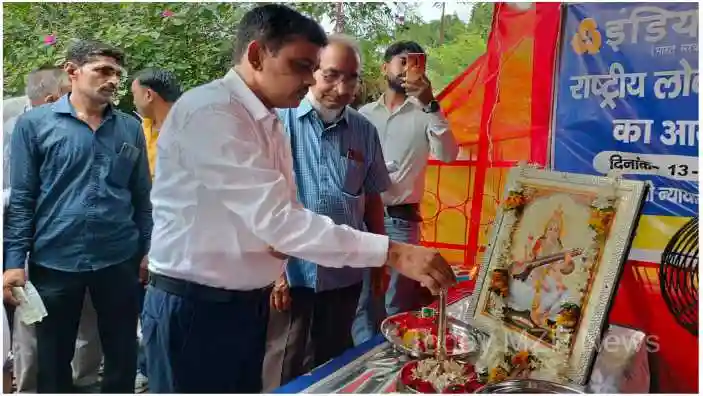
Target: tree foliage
482,17
194,40
463,43
191,39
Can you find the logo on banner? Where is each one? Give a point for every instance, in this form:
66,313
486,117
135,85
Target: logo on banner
587,38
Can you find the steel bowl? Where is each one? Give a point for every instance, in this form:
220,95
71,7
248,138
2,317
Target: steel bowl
529,386
468,335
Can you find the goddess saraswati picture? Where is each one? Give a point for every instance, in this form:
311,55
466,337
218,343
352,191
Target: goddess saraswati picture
536,283
549,275
546,279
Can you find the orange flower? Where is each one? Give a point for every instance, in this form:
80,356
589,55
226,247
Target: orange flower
497,374
607,217
514,200
521,358
596,222
499,277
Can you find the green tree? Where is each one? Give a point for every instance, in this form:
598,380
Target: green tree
462,44
481,18
426,34
192,39
195,39
443,7
446,62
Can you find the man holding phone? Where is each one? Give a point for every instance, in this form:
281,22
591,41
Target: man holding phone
411,127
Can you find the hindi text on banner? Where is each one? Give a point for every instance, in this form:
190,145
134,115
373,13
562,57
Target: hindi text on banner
655,20
630,131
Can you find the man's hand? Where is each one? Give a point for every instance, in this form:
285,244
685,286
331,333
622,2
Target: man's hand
144,270
12,278
277,254
421,88
419,263
280,295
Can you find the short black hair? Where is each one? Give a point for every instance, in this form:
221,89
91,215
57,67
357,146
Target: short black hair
83,51
400,47
274,25
162,81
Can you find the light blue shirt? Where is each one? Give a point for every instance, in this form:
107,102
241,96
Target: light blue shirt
335,167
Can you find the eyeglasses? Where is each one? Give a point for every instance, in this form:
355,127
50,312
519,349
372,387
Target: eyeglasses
337,77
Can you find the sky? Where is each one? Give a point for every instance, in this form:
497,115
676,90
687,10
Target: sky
429,13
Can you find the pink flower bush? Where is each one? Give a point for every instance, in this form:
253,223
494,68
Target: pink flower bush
166,13
50,39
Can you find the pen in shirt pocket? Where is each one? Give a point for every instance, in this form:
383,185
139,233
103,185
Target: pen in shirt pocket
355,156
129,151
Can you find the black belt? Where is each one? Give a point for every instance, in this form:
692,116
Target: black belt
407,212
186,289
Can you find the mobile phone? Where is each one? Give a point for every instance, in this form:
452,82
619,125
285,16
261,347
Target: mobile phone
416,65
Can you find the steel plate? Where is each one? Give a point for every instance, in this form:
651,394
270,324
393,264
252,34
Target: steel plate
529,386
466,336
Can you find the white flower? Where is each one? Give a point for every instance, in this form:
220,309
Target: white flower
450,372
600,383
602,202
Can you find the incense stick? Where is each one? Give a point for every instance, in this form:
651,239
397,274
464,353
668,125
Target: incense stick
441,350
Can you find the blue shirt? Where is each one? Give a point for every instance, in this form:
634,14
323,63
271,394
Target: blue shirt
335,166
79,199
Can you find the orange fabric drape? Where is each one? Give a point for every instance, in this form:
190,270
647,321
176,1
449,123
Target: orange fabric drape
499,110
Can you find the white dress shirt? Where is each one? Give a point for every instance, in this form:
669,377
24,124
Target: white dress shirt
13,107
408,136
224,192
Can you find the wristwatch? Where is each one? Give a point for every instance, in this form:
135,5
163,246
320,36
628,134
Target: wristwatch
431,107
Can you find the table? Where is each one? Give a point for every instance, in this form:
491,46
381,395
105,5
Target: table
622,365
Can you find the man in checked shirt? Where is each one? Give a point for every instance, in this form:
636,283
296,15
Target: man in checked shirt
340,173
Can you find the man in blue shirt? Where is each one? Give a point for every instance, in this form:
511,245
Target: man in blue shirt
46,85
340,173
79,205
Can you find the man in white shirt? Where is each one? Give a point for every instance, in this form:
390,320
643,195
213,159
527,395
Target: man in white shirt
13,107
411,127
339,172
225,213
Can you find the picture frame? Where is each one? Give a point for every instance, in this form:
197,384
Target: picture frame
549,273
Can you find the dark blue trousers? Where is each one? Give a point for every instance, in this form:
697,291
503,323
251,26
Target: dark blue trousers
113,293
141,358
198,346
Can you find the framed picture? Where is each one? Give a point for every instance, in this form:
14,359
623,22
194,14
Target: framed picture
558,245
